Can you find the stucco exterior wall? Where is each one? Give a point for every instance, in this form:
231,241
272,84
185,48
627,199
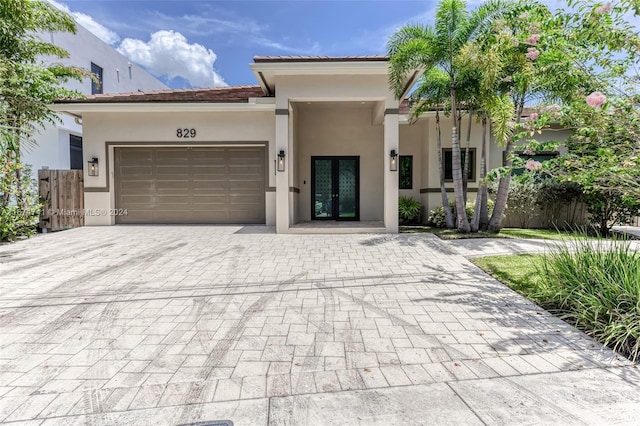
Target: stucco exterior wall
335,87
414,141
331,131
215,128
431,197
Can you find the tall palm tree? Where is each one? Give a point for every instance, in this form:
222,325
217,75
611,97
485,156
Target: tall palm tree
420,46
431,94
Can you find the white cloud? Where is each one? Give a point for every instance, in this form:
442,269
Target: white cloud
99,30
169,53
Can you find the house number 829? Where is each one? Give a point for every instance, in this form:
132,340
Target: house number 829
186,133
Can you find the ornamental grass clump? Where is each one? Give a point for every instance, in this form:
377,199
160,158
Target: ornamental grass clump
595,285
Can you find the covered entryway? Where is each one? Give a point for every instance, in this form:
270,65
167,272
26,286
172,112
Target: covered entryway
190,184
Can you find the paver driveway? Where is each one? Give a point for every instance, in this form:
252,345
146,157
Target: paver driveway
178,324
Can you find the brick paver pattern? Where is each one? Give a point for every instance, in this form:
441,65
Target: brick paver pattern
100,320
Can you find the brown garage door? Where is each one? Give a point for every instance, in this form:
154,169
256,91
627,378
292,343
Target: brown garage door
190,185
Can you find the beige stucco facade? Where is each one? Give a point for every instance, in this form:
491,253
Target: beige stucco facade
321,109
105,131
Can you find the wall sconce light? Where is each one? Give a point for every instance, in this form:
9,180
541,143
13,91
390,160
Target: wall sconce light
394,161
93,167
281,161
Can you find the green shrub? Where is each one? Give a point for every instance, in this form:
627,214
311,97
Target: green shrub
596,287
19,207
436,216
608,208
409,210
561,204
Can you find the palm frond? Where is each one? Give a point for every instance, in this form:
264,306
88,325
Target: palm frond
500,110
407,57
407,34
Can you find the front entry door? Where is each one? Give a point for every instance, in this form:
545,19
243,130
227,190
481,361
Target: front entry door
335,189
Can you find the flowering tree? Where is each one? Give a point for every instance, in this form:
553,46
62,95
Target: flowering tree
514,73
27,87
603,153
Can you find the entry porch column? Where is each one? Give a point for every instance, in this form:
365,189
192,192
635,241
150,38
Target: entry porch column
391,180
282,178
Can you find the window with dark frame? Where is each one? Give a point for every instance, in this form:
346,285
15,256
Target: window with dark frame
96,86
406,172
447,154
75,152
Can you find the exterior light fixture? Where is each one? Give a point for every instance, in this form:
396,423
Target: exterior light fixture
93,166
281,161
394,161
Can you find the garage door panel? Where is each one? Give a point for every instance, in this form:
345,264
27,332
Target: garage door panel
142,187
244,185
137,200
172,185
166,200
137,155
132,171
220,199
190,185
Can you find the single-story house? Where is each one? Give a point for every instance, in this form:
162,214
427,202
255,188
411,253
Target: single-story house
320,140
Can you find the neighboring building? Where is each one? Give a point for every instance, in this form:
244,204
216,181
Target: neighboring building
313,142
60,146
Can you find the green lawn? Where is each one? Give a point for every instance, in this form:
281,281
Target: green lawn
542,234
450,234
594,287
517,271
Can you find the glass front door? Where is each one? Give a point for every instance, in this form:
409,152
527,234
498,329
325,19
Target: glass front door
335,191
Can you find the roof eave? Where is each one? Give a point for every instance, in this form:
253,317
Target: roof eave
77,109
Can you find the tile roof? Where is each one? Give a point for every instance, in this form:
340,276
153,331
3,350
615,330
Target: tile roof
370,58
213,94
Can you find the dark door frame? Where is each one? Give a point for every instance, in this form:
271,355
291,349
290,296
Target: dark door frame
335,186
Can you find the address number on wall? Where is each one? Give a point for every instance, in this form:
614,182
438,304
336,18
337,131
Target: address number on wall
186,133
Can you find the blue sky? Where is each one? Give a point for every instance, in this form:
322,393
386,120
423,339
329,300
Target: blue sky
207,43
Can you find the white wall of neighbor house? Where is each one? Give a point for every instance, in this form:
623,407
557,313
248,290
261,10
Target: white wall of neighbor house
160,127
51,148
119,75
333,130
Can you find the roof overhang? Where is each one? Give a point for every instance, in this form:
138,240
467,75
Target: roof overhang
266,72
77,109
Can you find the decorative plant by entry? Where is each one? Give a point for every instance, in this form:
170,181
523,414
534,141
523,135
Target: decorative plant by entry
409,210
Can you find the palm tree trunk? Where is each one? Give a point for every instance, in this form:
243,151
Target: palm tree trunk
465,170
484,207
461,214
480,212
443,190
503,186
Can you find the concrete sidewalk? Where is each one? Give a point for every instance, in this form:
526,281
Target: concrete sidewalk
179,324
478,247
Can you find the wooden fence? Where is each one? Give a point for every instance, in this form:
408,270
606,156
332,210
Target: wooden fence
62,198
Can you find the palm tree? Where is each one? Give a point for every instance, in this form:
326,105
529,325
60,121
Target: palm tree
420,46
431,94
